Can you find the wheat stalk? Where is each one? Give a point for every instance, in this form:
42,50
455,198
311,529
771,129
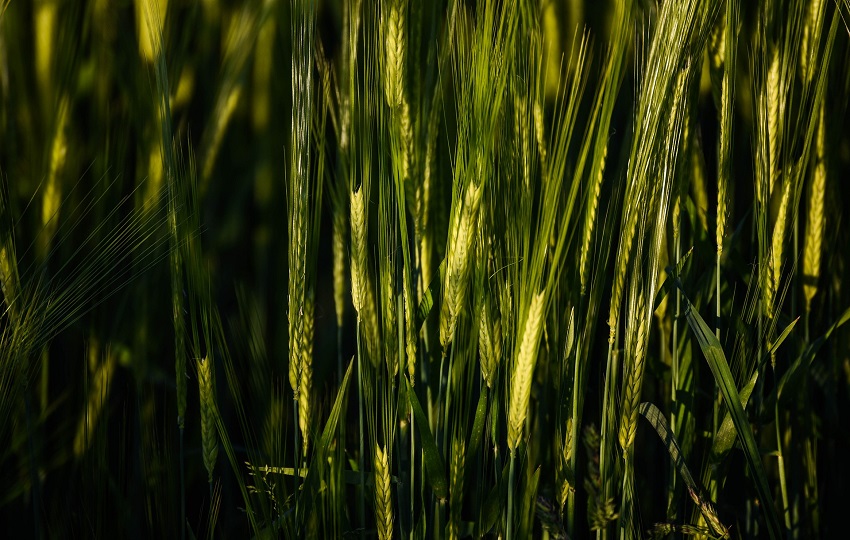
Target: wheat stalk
523,372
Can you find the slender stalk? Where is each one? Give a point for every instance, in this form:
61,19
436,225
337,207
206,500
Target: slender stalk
510,517
783,486
361,462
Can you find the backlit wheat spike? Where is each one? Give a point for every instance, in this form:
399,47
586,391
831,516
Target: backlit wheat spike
539,129
150,15
389,317
9,279
457,272
394,21
299,187
774,133
564,487
52,198
456,482
209,436
727,96
425,229
634,381
489,344
98,394
305,385
361,290
409,325
815,221
622,266
340,250
810,41
523,372
383,496
521,132
590,221
778,245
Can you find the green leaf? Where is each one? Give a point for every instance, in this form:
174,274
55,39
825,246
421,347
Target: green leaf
312,483
529,503
494,502
713,353
668,283
791,379
478,424
657,420
725,437
434,462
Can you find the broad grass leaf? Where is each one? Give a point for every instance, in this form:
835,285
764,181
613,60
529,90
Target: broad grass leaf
713,353
434,462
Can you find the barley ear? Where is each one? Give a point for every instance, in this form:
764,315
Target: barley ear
9,279
383,496
456,490
590,221
462,239
98,392
394,20
815,221
523,372
489,344
777,247
209,436
339,254
306,375
810,41
634,379
361,290
409,325
773,120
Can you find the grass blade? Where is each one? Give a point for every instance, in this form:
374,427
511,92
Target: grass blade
713,352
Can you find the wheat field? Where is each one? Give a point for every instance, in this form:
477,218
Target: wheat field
405,269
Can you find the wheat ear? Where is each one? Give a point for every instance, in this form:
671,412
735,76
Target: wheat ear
524,371
815,221
456,490
489,343
590,220
457,272
777,247
361,291
383,497
305,385
634,380
209,437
